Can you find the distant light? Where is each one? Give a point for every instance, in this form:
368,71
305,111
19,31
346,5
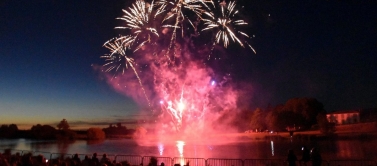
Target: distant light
213,83
272,148
161,102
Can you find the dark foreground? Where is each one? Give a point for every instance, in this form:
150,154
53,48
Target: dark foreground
24,158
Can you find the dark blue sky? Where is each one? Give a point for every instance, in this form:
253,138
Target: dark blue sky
321,49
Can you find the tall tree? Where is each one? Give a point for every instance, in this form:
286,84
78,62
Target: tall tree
257,120
303,111
271,120
63,125
324,125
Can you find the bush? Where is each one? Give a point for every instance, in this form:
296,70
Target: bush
96,134
140,132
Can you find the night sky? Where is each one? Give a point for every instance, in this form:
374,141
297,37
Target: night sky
321,49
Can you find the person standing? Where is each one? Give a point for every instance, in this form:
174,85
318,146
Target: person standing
105,160
291,158
305,155
95,160
316,157
86,161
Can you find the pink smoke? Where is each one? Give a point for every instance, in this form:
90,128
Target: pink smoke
182,95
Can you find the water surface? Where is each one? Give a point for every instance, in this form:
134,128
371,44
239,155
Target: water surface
251,149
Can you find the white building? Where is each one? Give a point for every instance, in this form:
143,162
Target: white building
344,117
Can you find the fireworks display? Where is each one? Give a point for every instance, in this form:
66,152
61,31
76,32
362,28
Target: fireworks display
177,85
226,25
139,20
119,59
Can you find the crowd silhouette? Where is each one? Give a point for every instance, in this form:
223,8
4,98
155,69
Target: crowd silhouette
307,156
8,159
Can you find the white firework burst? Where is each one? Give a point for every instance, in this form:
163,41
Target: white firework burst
226,24
139,19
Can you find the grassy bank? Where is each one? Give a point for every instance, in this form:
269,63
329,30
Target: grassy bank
351,131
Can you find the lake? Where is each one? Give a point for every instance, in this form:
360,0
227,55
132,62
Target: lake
243,149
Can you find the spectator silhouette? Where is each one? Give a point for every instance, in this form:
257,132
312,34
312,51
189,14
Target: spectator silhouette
305,155
15,159
94,161
125,163
76,161
3,160
40,161
316,157
162,164
86,161
27,160
153,161
105,160
291,158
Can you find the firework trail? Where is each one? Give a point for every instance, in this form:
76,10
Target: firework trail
118,58
174,9
226,24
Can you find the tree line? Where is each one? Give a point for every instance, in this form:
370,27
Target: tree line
295,114
62,132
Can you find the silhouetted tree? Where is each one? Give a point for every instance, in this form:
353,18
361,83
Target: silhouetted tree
63,125
299,112
64,132
239,120
3,131
324,125
304,111
43,132
116,130
8,131
271,119
257,120
13,127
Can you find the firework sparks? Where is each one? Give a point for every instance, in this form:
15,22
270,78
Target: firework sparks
226,25
185,93
118,59
139,19
185,90
175,10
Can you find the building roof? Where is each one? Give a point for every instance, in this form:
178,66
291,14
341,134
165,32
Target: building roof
344,112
